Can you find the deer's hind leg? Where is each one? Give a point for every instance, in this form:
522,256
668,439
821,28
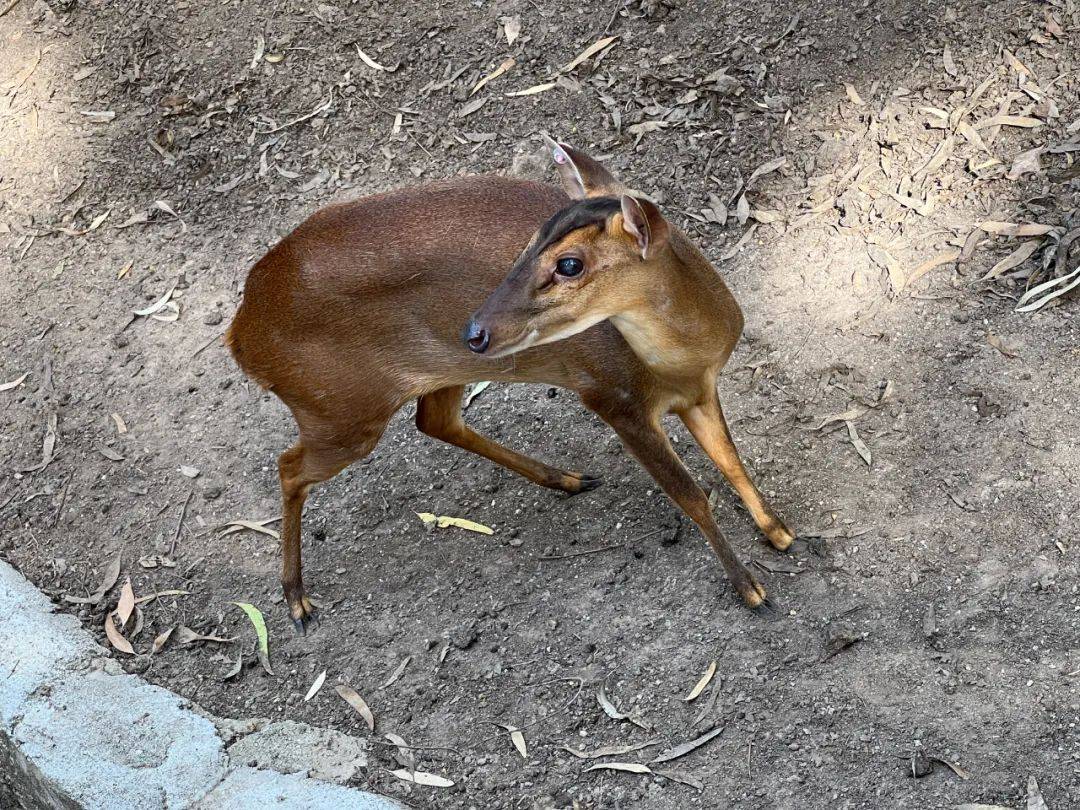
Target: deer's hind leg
313,459
438,414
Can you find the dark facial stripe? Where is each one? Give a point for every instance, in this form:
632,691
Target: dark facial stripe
590,211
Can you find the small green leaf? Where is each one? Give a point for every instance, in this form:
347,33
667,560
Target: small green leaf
257,620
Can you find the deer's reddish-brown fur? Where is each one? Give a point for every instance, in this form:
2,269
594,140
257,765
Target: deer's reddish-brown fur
361,309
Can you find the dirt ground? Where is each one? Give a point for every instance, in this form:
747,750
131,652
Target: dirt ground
930,608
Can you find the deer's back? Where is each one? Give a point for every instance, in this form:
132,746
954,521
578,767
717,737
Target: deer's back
365,300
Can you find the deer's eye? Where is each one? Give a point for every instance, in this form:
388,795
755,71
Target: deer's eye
569,267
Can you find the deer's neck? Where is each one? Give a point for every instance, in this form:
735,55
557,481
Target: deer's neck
682,325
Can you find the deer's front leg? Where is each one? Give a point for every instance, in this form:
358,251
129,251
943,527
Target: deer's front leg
708,426
644,437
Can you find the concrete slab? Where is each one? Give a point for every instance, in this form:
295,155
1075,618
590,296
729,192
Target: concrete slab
76,732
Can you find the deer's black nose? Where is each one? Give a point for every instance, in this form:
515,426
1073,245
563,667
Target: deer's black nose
477,337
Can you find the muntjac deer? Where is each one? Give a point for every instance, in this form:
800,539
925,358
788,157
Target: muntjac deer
366,306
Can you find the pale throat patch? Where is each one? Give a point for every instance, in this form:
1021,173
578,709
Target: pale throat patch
650,340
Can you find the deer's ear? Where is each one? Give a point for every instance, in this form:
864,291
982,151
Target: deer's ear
644,223
581,175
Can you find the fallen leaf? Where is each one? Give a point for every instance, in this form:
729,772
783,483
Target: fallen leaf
923,208
615,714
422,778
952,766
48,446
701,684
499,71
683,778
839,638
768,167
397,672
1014,259
532,91
109,453
1029,162
350,696
853,94
259,623
161,640
99,116
946,257
185,635
471,107
1015,229
371,63
404,754
121,428
126,603
157,305
1035,799
259,526
115,638
937,160
112,573
234,670
260,49
629,767
511,29
588,53
947,61
444,521
686,747
1023,121
742,209
611,750
1029,301
858,443
14,383
475,391
518,739
1000,345
315,686
142,600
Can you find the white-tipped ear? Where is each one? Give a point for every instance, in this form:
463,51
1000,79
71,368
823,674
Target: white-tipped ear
568,172
643,221
581,175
